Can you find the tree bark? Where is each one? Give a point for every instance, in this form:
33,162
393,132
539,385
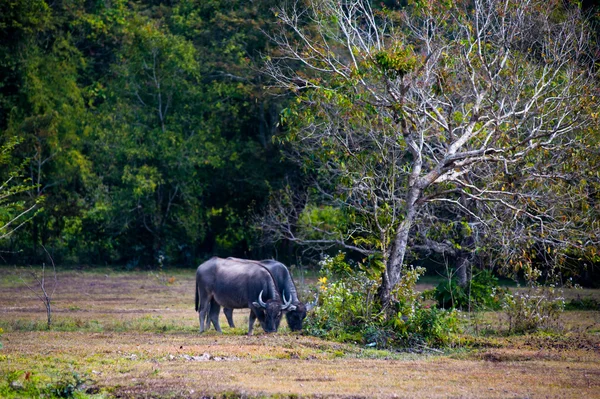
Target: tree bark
395,261
462,265
465,256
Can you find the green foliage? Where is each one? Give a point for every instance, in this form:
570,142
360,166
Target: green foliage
15,209
397,62
324,218
429,326
348,310
22,384
418,323
535,308
481,292
347,300
579,303
146,127
67,386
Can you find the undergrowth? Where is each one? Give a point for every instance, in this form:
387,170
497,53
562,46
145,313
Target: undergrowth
25,384
348,310
483,292
583,304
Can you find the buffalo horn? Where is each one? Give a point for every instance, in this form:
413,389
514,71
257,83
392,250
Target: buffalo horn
313,304
287,303
260,300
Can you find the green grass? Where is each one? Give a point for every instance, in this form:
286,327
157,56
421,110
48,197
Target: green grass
147,323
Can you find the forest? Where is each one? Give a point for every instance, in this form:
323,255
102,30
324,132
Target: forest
142,134
136,131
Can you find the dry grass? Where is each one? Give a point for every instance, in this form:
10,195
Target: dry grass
135,335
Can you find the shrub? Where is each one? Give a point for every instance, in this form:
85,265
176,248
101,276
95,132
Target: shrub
574,304
346,299
536,308
482,292
67,386
416,323
21,384
349,310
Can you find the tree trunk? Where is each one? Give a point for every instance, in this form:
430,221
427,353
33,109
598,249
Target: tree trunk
393,269
157,250
48,312
465,256
462,265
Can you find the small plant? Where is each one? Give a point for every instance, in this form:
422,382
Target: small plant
67,386
536,308
429,327
162,278
19,384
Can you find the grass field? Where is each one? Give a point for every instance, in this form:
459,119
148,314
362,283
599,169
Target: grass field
134,335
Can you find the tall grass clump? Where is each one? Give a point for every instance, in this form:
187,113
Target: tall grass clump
348,309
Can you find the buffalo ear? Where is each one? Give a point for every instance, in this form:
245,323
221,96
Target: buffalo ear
291,308
256,304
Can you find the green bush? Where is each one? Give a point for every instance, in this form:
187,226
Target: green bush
574,304
67,386
482,292
349,311
21,384
347,299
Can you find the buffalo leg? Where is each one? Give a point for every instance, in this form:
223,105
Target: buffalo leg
215,309
251,320
229,314
208,315
204,309
207,320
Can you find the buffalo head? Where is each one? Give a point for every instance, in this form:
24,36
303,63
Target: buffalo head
269,313
296,316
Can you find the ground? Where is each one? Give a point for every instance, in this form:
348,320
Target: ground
135,335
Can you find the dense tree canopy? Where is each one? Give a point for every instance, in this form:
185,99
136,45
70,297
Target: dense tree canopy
141,132
145,126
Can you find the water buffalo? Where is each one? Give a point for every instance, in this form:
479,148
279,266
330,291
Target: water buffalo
296,312
234,285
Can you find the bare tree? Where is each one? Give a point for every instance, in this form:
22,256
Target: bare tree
454,105
41,289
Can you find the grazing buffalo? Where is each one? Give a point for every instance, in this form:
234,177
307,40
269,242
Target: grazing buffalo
296,312
234,285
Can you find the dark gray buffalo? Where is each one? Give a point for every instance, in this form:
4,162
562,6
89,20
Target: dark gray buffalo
234,285
296,312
